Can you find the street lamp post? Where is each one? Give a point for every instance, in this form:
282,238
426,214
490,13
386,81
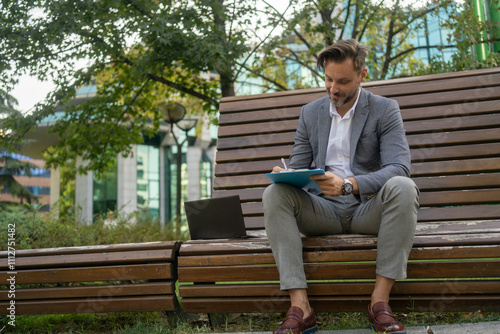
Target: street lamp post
174,113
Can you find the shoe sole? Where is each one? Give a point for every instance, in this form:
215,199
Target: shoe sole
310,330
375,330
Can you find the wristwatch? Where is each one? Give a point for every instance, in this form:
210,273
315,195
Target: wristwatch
347,187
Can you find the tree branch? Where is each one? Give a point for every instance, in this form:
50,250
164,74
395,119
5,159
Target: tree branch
154,77
183,89
427,47
119,119
277,84
388,46
369,20
262,41
356,21
140,10
297,59
423,13
348,12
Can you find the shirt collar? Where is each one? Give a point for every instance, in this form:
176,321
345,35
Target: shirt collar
333,109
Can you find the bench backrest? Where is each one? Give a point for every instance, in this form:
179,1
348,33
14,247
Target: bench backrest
453,128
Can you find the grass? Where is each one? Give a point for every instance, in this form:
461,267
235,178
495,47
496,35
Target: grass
157,322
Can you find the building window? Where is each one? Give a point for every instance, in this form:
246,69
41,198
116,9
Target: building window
148,179
205,176
105,192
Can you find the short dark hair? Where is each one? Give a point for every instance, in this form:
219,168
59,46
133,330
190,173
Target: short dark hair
342,50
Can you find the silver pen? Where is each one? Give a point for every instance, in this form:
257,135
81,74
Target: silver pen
284,163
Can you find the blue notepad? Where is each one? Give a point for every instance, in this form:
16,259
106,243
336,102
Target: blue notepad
298,178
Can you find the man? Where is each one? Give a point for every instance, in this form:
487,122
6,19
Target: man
359,139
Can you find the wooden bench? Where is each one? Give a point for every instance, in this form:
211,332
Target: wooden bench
453,128
110,278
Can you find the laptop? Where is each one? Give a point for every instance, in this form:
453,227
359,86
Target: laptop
215,218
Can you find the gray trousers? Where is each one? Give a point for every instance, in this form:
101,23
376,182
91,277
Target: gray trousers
391,214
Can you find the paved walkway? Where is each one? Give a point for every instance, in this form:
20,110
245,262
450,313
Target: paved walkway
476,328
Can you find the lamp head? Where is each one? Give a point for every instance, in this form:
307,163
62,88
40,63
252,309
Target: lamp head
187,124
172,111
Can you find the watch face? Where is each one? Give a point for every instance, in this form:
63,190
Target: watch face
347,188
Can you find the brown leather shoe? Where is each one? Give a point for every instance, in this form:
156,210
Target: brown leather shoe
382,320
295,324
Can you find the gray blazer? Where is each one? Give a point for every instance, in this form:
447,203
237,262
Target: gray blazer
379,149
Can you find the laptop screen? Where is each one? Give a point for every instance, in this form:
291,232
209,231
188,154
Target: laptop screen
215,218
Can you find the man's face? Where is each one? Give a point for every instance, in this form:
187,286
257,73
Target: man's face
342,82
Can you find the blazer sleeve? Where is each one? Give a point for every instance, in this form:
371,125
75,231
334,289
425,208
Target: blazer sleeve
393,153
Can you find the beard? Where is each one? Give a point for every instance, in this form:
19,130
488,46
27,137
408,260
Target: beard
348,97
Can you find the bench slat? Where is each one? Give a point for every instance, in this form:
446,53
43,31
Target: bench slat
91,274
453,138
260,115
76,260
446,84
340,289
256,129
451,97
457,152
474,212
174,245
271,304
470,237
262,101
435,269
456,167
428,253
460,197
453,124
91,305
103,291
458,109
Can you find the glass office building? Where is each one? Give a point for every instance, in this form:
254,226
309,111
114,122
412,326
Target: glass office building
144,182
37,183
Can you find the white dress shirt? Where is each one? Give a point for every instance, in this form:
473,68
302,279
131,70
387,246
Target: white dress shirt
339,143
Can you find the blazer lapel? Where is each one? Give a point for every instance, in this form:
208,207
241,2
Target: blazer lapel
359,120
324,126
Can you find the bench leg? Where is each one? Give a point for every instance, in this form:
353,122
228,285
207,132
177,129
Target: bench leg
217,319
176,316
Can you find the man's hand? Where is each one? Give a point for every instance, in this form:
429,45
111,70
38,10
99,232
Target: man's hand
330,184
277,169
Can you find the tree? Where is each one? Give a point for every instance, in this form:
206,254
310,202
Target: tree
384,26
139,52
467,33
9,167
142,52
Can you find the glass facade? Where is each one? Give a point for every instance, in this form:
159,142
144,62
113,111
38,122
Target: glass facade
148,179
205,176
428,36
172,178
105,192
37,183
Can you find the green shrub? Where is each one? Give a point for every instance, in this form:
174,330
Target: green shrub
34,229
